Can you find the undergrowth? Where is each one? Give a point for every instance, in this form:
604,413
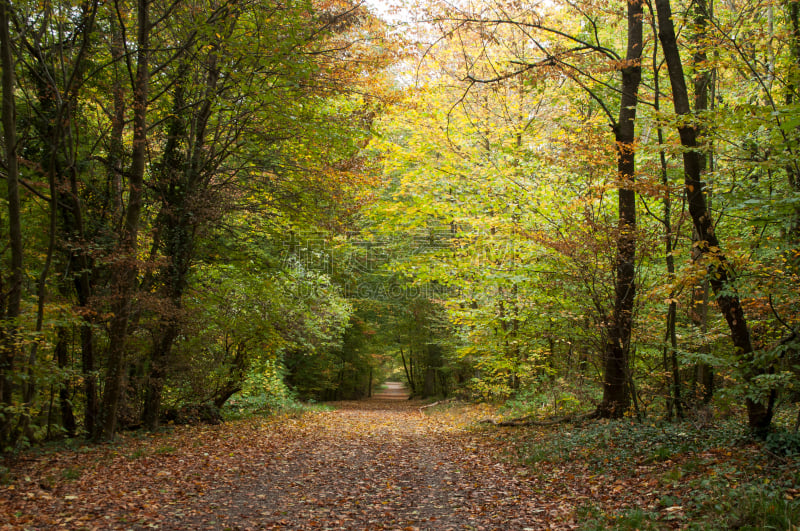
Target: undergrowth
241,407
700,477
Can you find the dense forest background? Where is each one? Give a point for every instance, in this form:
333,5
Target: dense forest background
574,207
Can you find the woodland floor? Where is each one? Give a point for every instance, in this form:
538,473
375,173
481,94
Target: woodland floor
377,464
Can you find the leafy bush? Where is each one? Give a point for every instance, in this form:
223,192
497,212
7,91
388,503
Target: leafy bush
263,404
263,393
548,396
784,442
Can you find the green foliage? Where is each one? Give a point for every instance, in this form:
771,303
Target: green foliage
265,380
549,395
265,404
592,518
755,507
264,393
527,250
251,324
709,477
339,373
783,442
256,123
614,444
470,226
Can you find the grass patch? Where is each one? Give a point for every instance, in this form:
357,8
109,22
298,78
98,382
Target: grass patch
757,508
592,518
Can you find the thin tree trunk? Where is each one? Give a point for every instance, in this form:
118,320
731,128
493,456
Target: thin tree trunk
409,376
703,79
115,155
669,350
670,353
236,376
793,168
29,388
182,187
616,389
721,276
162,348
83,282
65,405
172,221
124,276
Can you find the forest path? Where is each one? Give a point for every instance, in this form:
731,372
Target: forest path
392,391
376,464
380,464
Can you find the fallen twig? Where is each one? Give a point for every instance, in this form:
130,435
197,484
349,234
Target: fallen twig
435,404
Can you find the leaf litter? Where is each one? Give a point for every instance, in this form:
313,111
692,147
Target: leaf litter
379,464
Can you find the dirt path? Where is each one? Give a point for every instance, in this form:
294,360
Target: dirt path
392,391
379,464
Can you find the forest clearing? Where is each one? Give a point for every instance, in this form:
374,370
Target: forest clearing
387,464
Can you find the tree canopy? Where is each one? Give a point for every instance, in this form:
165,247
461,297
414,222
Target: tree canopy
587,207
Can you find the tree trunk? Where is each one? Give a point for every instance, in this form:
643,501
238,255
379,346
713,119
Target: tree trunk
181,187
409,374
674,405
154,386
703,372
116,148
65,405
236,376
124,275
12,303
720,275
429,389
171,220
83,282
616,391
